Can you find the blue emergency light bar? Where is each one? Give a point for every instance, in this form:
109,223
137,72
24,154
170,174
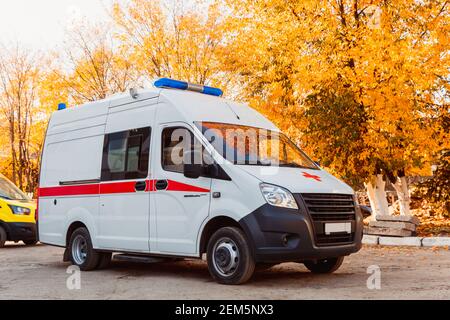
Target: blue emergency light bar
61,106
182,85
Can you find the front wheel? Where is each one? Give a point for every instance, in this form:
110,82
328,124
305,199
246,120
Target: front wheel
229,257
328,265
82,254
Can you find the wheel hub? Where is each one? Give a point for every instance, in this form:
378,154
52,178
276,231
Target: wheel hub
79,250
226,257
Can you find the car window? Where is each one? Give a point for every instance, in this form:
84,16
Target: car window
126,155
175,141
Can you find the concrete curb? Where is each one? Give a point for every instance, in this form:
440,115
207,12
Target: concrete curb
406,241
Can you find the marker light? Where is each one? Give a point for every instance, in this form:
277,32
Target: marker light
182,85
62,106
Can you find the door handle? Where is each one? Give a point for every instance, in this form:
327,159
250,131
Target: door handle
161,185
140,186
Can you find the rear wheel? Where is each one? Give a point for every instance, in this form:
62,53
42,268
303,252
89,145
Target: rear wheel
30,242
328,265
229,257
82,254
3,237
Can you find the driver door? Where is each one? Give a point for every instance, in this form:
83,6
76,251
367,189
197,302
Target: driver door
182,204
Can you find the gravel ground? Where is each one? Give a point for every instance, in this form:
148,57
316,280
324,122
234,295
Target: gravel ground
406,273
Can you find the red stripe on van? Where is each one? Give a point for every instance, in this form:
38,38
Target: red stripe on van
113,188
119,187
178,186
90,189
151,186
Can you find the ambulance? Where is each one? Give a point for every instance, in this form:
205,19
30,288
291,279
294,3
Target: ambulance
176,171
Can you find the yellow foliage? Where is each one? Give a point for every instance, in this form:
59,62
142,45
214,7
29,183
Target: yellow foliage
392,56
171,42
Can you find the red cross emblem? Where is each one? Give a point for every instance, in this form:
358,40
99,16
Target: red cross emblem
311,176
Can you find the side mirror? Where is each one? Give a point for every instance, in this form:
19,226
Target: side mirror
193,167
193,171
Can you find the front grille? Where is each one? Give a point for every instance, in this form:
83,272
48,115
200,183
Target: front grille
325,208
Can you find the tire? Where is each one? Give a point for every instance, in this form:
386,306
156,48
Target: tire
3,237
104,260
225,246
81,252
30,242
329,265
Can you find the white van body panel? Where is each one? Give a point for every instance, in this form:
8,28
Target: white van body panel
299,180
71,152
180,213
124,217
83,214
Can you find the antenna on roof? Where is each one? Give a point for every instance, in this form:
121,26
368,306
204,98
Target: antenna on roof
232,110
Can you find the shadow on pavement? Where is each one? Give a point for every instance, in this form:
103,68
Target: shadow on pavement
294,274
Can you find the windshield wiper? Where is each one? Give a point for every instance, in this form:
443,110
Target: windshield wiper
5,197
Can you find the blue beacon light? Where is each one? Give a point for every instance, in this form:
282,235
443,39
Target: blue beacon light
62,106
182,85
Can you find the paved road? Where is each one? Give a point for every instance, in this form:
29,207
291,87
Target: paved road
406,273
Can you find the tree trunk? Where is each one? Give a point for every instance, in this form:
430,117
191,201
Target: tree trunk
380,193
370,188
377,196
13,152
401,186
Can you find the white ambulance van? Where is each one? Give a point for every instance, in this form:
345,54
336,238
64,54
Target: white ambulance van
177,171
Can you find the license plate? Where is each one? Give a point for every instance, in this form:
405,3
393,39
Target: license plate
338,228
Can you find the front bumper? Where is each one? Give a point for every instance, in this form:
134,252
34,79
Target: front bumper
19,231
283,235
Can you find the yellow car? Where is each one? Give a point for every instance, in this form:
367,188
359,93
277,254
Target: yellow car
17,221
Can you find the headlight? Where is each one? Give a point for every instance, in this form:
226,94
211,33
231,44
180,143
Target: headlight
21,211
278,196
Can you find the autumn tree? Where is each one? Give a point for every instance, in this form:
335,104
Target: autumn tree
378,66
333,116
175,41
92,65
20,113
436,190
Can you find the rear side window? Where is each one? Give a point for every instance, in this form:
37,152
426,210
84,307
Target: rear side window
126,155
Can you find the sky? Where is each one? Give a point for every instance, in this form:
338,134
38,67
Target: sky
40,24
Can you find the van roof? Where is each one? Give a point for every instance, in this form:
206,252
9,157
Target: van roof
201,107
193,106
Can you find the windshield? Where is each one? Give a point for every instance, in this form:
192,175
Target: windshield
9,191
254,146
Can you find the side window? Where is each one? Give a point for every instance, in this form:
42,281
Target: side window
126,155
174,142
